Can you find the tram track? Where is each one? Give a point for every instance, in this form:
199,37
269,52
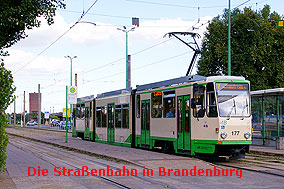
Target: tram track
34,148
260,166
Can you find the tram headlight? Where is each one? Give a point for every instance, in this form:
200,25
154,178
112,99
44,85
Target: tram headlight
223,135
247,135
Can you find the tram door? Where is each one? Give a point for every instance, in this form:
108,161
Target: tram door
145,123
183,123
110,127
87,117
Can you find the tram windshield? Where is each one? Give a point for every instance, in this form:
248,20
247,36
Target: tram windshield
233,99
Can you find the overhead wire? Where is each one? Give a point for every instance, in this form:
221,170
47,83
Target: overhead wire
182,6
116,61
45,49
138,52
156,62
117,16
171,5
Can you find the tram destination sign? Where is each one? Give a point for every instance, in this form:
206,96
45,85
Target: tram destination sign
232,86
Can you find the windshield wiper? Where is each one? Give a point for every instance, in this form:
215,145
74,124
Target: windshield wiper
243,117
234,106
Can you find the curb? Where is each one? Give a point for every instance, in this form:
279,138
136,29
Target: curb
101,156
46,129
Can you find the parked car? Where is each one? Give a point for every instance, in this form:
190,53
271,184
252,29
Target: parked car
30,123
63,124
55,123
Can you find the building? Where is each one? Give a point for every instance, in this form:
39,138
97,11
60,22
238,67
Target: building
34,102
267,108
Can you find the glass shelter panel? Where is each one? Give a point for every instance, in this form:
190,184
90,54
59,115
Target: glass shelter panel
281,116
270,108
256,110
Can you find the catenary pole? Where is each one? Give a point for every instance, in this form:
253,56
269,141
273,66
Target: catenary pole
229,39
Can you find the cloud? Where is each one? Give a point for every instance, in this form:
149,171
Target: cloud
45,34
151,30
41,65
88,34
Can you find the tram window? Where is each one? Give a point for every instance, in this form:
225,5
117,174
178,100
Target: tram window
125,116
211,109
91,109
77,112
82,113
156,104
99,117
169,104
87,112
104,113
118,116
198,94
138,106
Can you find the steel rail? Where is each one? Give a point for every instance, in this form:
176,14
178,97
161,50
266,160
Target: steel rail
93,162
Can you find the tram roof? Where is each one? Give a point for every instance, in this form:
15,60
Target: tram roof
116,92
165,83
214,78
85,98
268,92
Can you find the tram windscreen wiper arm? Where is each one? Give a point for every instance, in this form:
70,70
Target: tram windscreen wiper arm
234,106
242,118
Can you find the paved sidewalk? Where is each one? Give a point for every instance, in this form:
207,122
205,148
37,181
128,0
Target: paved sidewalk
266,150
6,181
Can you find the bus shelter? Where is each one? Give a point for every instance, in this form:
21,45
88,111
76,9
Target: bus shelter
267,116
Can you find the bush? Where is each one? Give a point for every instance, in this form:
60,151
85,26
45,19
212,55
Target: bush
6,97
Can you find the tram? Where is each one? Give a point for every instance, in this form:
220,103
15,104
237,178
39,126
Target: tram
192,115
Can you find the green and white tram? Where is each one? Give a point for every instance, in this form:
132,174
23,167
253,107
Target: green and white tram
192,115
114,117
83,118
195,115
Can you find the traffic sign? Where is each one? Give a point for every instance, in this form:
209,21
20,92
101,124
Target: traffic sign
280,23
64,112
72,95
46,115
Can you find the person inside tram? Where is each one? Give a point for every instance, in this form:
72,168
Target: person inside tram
171,112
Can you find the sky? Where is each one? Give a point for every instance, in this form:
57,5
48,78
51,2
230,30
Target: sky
101,48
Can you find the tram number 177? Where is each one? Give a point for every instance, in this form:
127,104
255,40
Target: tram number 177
235,132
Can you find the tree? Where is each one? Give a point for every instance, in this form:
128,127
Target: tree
15,17
257,47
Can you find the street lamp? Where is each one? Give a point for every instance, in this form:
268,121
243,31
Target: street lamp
229,39
127,69
66,126
70,67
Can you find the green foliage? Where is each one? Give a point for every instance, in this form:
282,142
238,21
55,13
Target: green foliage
54,117
257,47
15,17
6,97
3,140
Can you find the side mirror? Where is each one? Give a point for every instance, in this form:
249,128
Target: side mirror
193,103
